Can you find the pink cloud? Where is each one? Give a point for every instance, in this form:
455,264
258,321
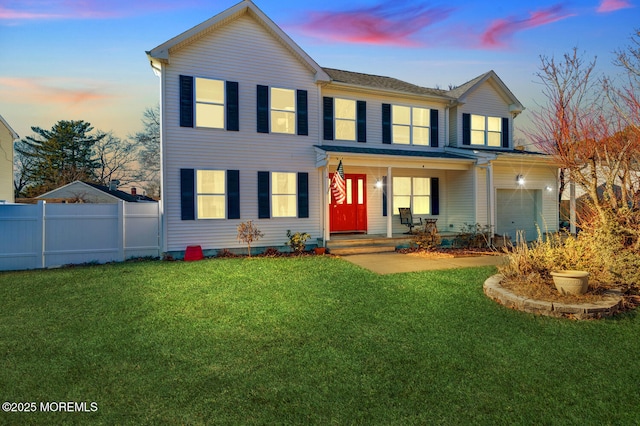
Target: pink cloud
385,24
613,5
50,91
87,9
501,30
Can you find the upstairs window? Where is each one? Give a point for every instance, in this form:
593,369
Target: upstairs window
209,103
410,125
406,125
345,119
480,130
283,110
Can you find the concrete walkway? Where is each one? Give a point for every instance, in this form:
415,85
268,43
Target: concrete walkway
393,263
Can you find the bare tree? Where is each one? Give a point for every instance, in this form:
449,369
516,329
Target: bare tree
149,141
117,160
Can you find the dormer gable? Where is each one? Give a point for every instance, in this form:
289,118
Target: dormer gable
462,92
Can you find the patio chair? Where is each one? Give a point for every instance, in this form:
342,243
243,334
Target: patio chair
406,218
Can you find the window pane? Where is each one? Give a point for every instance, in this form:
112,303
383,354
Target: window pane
283,122
421,136
401,115
360,191
494,124
421,205
284,206
477,137
209,115
208,90
477,122
401,134
283,183
400,201
494,139
211,207
345,130
210,181
283,99
402,186
345,108
421,186
349,188
421,117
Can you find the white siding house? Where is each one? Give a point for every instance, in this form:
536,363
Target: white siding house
7,137
253,129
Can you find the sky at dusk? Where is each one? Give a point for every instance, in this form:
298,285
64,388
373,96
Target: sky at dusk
85,59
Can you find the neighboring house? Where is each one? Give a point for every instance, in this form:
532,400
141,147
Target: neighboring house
7,137
253,129
85,192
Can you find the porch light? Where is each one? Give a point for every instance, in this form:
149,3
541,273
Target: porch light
520,180
548,188
378,184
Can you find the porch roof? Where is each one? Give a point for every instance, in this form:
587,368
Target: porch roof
394,152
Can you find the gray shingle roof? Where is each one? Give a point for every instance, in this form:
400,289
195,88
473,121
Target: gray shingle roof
462,89
381,82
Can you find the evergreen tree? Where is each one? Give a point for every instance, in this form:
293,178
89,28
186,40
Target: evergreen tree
60,155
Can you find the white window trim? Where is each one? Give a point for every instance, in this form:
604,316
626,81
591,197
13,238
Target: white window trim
412,195
200,194
196,102
272,194
486,131
411,126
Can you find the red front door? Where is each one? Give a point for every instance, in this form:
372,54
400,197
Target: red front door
350,216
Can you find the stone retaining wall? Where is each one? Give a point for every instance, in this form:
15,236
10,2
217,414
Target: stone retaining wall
605,308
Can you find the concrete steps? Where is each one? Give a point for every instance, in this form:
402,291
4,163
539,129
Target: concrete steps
344,246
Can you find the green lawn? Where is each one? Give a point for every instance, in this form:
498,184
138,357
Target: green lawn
311,340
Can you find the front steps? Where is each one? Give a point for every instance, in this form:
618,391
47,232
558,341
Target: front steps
345,245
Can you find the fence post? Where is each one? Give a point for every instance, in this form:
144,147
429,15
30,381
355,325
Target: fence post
40,234
121,230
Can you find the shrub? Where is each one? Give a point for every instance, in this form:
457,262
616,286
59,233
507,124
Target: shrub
225,253
271,252
248,233
473,236
297,241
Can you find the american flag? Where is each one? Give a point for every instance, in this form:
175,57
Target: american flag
338,186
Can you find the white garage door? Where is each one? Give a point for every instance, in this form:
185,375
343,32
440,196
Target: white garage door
516,210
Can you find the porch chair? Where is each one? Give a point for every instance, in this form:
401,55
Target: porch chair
406,218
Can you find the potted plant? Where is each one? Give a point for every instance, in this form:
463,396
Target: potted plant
571,282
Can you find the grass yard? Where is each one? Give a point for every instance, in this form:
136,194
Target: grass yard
311,340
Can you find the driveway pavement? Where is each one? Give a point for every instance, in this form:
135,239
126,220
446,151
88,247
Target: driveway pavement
393,263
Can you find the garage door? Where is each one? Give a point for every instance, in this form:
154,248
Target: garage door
516,210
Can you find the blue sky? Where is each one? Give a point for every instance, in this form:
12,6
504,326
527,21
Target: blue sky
73,60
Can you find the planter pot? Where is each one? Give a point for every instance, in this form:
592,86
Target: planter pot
319,250
571,282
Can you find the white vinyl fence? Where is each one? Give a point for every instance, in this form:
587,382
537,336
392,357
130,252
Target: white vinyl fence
47,235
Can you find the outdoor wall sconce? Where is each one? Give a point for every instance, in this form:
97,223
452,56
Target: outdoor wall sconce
520,180
378,184
548,188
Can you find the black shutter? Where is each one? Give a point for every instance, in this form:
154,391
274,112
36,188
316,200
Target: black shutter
262,105
327,118
302,114
434,130
384,195
233,194
187,194
386,123
233,108
361,119
435,196
303,195
505,132
264,198
186,101
466,129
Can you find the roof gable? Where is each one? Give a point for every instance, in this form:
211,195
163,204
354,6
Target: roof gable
163,52
14,135
463,91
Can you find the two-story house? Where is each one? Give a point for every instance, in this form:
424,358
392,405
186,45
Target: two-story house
253,129
7,137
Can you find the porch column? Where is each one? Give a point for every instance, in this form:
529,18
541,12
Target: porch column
491,198
326,225
389,203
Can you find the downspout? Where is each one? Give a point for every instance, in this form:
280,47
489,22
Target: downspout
389,203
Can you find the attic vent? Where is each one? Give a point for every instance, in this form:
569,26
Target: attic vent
113,185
